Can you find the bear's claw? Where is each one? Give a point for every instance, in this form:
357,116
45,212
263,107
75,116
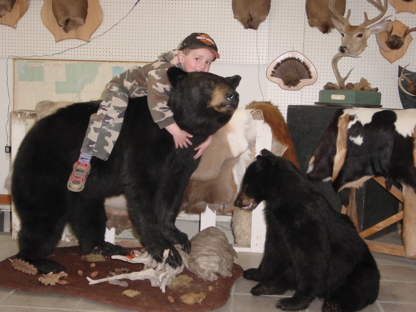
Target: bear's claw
108,249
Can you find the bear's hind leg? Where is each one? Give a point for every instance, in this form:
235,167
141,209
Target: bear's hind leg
359,290
88,221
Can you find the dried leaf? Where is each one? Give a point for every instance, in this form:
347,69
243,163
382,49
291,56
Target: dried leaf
23,266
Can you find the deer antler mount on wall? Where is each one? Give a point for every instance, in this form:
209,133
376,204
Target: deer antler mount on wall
354,37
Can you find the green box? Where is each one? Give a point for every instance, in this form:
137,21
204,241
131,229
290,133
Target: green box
350,98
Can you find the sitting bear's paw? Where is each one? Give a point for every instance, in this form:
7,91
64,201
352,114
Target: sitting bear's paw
252,274
293,304
331,307
108,249
264,289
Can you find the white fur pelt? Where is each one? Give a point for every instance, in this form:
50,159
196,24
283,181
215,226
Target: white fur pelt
215,183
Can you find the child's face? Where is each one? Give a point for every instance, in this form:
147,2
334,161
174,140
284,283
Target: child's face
197,60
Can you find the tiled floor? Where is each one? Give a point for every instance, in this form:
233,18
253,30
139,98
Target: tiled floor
397,293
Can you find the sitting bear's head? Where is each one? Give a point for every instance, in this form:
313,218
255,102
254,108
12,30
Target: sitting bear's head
261,177
211,97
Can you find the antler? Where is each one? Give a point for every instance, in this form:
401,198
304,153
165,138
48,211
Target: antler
395,42
380,7
411,84
340,79
354,38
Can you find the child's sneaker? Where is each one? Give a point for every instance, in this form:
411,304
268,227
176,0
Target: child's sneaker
78,176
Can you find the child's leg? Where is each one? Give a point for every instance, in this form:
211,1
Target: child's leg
106,123
82,167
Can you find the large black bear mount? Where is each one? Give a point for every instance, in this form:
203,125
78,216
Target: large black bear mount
145,166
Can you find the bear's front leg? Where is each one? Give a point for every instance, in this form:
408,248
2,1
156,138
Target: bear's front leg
156,244
268,288
177,237
178,170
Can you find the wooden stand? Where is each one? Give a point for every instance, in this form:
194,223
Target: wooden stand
379,247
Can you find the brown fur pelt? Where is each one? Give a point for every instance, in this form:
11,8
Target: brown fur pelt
70,14
216,180
319,14
6,6
274,118
251,13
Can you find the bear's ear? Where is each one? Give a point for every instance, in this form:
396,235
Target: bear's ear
176,75
235,80
263,162
266,152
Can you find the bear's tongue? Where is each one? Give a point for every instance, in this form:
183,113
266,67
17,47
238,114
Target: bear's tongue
248,207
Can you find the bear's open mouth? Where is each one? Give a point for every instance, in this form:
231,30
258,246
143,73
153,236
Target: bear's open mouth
250,207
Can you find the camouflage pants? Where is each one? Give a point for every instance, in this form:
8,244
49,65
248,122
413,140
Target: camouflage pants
104,127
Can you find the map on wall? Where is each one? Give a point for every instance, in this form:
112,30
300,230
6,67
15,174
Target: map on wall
62,80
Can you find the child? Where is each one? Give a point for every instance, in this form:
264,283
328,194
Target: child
196,53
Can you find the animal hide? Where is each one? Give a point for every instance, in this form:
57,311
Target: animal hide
280,131
216,180
222,166
6,6
251,13
319,16
70,14
362,143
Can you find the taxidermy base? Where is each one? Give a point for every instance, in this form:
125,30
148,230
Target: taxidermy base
350,98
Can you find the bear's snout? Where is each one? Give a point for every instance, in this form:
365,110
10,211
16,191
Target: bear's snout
232,96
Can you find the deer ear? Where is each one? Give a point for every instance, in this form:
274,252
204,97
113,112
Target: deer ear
379,27
338,25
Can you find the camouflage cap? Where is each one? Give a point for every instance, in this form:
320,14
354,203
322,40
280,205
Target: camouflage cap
199,40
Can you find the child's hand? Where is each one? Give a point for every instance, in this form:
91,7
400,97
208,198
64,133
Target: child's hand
202,147
180,137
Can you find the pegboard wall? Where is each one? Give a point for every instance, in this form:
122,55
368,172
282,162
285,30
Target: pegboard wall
140,30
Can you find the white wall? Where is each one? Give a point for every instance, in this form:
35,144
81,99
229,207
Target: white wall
141,32
5,106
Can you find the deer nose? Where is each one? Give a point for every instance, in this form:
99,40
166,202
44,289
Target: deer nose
342,49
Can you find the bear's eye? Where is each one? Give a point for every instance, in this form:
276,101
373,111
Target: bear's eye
208,84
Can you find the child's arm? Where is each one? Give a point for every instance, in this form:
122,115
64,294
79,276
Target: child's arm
202,147
179,136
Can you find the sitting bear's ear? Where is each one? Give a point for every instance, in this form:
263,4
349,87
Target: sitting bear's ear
266,152
263,162
176,75
235,80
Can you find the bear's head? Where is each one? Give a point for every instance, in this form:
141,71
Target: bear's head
258,178
202,101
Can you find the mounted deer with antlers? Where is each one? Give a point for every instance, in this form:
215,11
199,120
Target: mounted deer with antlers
354,38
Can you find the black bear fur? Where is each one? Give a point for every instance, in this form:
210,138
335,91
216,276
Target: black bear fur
310,247
144,165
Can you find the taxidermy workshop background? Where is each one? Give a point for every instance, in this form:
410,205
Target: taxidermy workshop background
139,31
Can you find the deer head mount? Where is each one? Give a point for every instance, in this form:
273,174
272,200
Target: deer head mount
354,37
